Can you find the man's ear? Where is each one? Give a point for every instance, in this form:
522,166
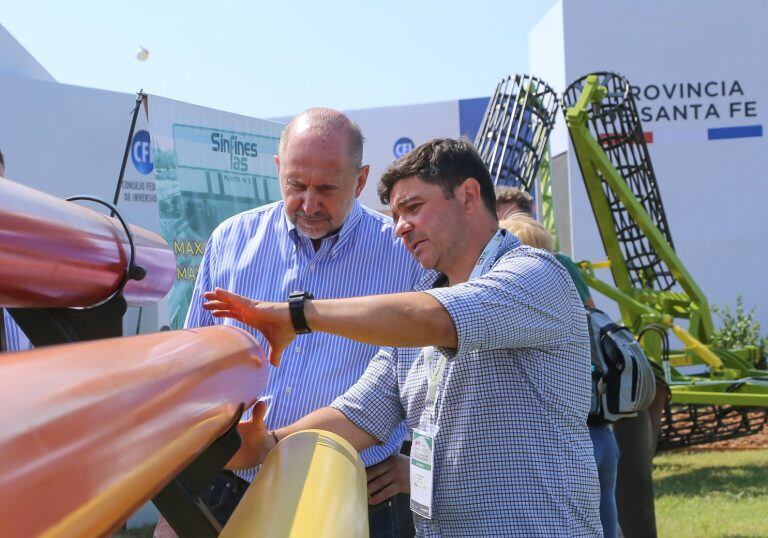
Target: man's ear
277,162
470,191
362,178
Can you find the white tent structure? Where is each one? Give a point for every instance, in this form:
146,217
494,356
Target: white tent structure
17,62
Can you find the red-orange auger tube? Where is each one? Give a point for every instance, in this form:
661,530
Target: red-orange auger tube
90,431
55,253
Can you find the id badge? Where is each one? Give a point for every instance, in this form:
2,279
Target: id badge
422,471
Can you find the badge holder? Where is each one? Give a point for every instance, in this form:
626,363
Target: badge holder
422,468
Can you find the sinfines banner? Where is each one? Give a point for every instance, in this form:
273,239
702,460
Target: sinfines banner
208,165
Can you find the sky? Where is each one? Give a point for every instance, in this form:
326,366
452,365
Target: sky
270,59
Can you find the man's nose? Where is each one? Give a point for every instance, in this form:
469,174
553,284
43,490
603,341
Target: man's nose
311,202
402,227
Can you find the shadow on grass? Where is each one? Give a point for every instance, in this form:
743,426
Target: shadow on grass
746,481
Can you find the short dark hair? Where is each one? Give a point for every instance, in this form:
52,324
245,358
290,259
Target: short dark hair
445,162
2,159
513,195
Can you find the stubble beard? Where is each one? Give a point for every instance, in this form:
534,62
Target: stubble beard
316,233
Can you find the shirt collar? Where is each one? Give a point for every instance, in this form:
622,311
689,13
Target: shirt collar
434,279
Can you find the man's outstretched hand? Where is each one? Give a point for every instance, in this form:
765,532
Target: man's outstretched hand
255,440
273,320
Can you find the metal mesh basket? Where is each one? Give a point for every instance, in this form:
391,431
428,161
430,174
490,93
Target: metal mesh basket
515,130
615,124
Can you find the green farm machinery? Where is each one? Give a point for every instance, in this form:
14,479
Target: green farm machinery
727,396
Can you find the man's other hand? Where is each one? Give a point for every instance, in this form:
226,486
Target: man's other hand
273,320
256,441
388,478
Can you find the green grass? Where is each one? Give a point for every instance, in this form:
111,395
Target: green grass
712,494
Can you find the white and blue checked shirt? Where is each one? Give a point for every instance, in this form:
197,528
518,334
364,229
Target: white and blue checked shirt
259,254
513,454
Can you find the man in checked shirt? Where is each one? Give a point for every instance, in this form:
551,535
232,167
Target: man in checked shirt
489,365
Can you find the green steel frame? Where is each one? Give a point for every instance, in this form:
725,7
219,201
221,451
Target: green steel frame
547,204
732,380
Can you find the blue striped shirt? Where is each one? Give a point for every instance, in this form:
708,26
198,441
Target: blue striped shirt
15,339
260,254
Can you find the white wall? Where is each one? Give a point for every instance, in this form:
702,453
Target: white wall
714,191
17,62
68,140
546,59
383,127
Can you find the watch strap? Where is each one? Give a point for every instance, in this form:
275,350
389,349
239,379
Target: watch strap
296,307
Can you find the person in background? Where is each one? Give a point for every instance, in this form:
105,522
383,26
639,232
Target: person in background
12,338
320,238
511,200
606,450
637,438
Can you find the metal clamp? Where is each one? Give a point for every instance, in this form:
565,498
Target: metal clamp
133,271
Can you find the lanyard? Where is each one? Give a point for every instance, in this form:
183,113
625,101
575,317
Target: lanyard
435,369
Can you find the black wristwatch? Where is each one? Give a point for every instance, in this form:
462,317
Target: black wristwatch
296,306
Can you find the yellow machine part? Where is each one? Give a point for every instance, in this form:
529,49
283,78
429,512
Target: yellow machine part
312,483
697,347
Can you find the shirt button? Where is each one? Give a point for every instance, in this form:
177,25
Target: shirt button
288,390
297,349
312,267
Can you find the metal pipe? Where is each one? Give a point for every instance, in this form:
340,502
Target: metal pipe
704,397
311,484
90,431
55,253
692,343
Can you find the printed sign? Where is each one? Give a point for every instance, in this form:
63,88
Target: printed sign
209,166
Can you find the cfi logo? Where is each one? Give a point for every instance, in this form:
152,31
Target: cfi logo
403,146
141,153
